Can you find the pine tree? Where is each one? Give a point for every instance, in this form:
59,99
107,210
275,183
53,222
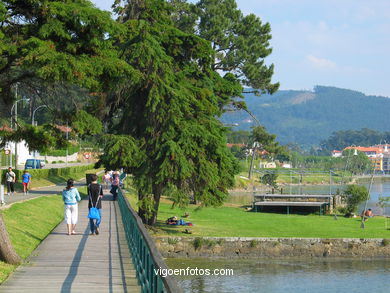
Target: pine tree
170,116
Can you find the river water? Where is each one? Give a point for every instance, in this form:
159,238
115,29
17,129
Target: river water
287,276
377,189
292,276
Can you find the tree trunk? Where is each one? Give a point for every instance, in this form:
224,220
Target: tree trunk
7,252
156,196
141,210
157,191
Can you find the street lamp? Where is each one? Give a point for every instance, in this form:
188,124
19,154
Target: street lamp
255,145
15,105
33,122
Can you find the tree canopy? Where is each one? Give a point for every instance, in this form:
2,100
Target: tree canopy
56,41
241,43
171,114
154,82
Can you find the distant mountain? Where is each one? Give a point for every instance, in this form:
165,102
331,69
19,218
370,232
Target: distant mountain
308,117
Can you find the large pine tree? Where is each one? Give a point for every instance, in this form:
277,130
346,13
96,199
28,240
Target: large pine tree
169,117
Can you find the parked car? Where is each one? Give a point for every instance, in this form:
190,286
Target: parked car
34,164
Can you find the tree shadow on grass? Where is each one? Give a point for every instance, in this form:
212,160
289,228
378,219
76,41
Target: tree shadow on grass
29,234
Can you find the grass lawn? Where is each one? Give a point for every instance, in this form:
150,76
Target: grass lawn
28,223
235,221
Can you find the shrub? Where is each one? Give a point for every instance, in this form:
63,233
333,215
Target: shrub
173,241
197,243
354,195
46,173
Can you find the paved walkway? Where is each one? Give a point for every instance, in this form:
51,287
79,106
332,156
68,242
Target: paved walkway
19,196
36,192
79,263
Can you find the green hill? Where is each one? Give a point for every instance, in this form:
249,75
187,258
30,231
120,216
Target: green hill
308,117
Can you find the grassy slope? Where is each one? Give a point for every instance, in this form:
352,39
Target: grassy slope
233,221
28,223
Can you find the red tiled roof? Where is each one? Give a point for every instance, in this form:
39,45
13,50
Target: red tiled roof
63,128
229,145
365,149
5,128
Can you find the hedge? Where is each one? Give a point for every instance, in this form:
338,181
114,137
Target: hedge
46,173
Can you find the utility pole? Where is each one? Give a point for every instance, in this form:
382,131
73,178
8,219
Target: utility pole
252,159
67,143
16,125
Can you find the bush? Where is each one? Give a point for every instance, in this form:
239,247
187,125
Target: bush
46,173
197,243
173,241
270,179
354,195
61,153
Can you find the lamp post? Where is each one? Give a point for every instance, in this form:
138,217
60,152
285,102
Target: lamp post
67,137
33,122
15,105
255,145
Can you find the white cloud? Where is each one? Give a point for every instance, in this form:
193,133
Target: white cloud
321,63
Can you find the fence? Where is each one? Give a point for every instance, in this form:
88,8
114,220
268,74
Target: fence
146,258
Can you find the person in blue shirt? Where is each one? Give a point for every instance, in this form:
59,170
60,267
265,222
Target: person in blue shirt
70,196
26,180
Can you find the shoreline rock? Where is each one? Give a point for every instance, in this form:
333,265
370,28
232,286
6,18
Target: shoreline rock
249,247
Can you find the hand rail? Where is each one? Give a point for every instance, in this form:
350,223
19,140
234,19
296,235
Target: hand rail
146,257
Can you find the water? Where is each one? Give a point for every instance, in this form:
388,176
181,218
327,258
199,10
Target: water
377,189
274,276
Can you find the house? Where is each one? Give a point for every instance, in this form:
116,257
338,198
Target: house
376,154
337,154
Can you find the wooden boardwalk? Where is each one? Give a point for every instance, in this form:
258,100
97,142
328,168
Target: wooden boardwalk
79,263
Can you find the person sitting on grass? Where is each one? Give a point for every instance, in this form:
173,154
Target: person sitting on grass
367,214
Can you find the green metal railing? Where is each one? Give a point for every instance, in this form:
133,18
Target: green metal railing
146,258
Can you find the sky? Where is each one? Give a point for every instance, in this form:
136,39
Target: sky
342,43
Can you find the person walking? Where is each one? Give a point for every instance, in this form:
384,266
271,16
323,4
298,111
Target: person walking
106,179
115,184
10,179
26,180
70,196
95,195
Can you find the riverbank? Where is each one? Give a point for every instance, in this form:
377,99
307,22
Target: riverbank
261,247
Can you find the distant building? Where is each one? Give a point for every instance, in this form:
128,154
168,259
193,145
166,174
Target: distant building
379,156
286,165
267,165
337,154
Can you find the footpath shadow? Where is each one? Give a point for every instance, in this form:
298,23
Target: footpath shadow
67,285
